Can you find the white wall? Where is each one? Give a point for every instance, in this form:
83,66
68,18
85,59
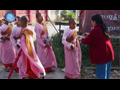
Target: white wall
54,14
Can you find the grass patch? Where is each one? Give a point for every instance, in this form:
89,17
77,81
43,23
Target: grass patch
85,56
58,49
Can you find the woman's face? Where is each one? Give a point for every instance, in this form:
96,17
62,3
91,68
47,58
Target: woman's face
93,23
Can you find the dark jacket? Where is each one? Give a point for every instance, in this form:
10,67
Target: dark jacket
101,50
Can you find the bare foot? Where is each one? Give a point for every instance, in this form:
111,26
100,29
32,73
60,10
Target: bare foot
41,77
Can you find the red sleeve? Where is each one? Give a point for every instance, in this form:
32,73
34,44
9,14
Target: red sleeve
90,38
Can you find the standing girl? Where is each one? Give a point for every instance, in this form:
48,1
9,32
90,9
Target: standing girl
44,51
8,52
101,51
72,52
29,64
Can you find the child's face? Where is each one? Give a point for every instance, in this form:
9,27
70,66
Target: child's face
22,23
40,19
72,25
18,23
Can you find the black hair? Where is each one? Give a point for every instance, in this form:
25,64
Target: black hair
38,14
25,19
98,19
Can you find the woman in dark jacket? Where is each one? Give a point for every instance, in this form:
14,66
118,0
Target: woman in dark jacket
101,51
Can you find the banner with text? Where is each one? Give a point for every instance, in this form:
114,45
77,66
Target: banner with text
110,17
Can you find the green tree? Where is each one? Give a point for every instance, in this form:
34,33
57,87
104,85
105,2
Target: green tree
66,14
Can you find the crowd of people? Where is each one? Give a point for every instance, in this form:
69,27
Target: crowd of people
17,43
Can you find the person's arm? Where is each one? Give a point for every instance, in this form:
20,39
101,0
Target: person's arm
90,38
65,43
12,37
38,37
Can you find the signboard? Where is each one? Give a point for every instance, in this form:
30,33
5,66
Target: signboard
111,18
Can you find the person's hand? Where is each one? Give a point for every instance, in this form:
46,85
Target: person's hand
3,38
72,46
47,45
86,34
18,46
80,39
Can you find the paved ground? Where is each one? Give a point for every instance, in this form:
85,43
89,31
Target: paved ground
59,74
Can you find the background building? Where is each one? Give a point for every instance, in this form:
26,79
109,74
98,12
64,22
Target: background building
54,15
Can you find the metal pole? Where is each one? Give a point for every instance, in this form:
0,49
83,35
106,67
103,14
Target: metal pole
52,23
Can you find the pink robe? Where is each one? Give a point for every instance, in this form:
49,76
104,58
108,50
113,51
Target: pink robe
36,65
15,33
0,46
45,54
8,52
72,57
0,49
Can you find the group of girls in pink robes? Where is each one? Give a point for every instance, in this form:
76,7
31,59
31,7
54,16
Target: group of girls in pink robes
18,42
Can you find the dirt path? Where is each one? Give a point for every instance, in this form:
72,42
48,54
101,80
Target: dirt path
59,74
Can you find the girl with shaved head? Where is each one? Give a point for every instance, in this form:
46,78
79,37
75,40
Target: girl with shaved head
29,64
72,51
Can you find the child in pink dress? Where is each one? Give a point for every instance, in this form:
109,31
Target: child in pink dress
16,30
8,52
72,52
29,64
44,51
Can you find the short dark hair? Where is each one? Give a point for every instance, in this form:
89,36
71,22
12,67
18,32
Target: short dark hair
38,14
24,19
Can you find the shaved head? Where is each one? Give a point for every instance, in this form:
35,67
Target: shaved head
72,23
39,17
71,20
24,19
18,18
38,14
